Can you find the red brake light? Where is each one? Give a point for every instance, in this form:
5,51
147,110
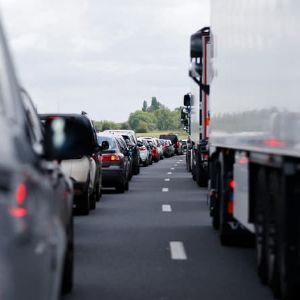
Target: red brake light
18,212
110,157
232,184
21,193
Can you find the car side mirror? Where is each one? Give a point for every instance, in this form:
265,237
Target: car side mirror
68,138
104,145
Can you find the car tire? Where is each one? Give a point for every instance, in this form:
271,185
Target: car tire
68,271
98,192
93,200
120,188
84,202
127,185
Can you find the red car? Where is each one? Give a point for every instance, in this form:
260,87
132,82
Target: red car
153,144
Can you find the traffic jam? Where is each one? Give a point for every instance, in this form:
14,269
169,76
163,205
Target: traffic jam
120,214
53,167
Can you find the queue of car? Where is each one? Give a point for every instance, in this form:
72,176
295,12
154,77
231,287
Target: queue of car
52,166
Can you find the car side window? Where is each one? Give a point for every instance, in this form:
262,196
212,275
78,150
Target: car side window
33,124
121,146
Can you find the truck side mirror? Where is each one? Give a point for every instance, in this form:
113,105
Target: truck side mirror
67,138
187,100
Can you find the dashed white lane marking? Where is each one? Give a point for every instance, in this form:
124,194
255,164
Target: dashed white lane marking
169,173
167,179
166,208
177,251
165,190
172,168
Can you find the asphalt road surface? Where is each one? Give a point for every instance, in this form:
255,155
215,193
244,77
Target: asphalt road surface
156,242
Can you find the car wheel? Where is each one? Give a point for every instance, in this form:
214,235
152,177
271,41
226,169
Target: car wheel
120,188
127,185
93,200
84,202
67,280
98,192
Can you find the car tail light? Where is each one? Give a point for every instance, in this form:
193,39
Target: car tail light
232,184
230,207
205,156
18,210
110,157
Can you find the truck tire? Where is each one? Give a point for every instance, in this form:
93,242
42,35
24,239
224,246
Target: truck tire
228,234
201,175
188,163
288,238
261,196
275,192
214,201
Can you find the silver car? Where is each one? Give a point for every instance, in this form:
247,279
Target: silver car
34,258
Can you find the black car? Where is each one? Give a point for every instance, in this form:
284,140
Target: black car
131,140
115,163
175,141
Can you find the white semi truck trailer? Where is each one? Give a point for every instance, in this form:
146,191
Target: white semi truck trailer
254,145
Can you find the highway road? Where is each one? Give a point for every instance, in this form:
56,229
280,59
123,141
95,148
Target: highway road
156,242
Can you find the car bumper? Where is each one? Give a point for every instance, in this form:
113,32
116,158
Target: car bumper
110,177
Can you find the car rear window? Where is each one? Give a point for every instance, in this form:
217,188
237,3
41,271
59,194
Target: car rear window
110,140
172,137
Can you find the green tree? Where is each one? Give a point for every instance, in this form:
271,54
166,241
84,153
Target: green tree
155,105
145,106
164,119
141,116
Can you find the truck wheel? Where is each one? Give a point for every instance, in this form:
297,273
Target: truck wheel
275,192
201,175
214,200
261,196
67,279
288,238
230,233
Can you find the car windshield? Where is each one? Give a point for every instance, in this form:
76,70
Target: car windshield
110,140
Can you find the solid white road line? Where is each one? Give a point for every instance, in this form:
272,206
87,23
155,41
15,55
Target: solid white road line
166,208
172,168
169,173
167,179
165,190
177,251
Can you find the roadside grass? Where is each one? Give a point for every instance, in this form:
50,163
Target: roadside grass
181,133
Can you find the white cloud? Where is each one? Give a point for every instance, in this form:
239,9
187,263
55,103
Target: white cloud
84,52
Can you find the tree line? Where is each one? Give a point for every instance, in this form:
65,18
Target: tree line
156,116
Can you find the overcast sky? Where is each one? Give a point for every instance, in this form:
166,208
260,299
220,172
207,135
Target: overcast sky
103,57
